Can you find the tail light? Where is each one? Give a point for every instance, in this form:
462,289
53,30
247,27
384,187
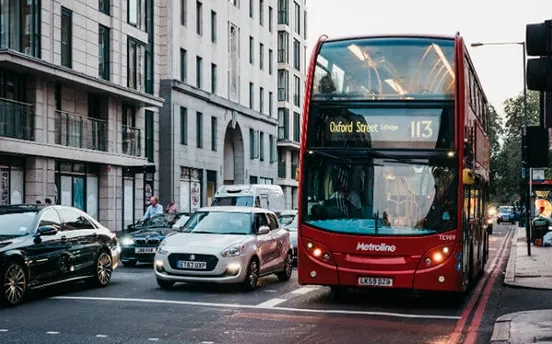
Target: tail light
435,256
318,251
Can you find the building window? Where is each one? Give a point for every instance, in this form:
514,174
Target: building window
135,13
270,103
261,100
261,56
15,36
283,46
183,12
104,6
251,95
270,25
103,58
297,55
297,91
283,85
305,25
233,42
252,144
251,9
251,50
213,26
296,126
283,12
199,130
261,12
261,146
77,183
297,18
183,126
283,124
271,149
199,18
135,64
214,134
270,60
149,135
213,78
183,65
199,71
66,38
12,180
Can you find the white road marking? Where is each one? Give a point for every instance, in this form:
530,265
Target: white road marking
207,342
272,302
153,339
238,306
52,332
4,330
304,290
101,336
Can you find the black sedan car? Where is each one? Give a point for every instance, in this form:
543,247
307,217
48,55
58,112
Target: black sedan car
141,243
44,246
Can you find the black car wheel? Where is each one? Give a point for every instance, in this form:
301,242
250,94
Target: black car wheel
252,276
285,275
14,284
103,269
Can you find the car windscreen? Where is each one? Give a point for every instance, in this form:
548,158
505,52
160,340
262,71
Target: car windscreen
219,222
243,201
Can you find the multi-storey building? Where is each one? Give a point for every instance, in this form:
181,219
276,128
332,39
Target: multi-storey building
218,123
79,105
292,57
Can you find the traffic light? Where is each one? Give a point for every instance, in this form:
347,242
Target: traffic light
538,38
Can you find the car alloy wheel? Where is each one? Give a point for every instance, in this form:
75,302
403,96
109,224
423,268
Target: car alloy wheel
104,268
15,284
252,275
288,268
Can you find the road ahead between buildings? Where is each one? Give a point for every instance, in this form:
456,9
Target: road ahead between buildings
135,310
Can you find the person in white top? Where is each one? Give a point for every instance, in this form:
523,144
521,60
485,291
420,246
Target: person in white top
154,208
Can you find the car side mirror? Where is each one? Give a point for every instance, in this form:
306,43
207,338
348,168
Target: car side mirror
263,230
46,230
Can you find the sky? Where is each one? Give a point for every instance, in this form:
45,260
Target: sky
500,68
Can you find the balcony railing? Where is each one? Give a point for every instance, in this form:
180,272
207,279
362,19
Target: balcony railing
281,169
294,167
132,141
73,130
17,119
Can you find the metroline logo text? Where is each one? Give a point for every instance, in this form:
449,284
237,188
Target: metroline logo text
379,248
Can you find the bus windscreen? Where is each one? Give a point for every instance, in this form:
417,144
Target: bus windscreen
385,68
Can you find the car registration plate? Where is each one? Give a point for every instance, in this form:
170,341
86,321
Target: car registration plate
375,281
145,250
185,264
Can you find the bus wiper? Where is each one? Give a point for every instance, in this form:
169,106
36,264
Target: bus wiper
327,155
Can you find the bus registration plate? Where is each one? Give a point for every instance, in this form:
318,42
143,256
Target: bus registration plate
375,281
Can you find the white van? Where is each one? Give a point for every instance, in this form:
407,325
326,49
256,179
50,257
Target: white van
266,196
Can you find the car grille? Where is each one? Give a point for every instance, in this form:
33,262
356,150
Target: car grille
147,242
209,259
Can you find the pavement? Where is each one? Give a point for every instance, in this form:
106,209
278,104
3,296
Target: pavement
531,272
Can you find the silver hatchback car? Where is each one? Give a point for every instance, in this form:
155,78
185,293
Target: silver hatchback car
227,244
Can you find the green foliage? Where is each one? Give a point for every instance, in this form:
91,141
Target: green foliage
506,160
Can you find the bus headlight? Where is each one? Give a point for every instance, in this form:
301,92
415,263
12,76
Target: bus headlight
318,251
436,256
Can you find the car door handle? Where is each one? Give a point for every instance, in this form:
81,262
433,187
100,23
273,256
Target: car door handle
64,238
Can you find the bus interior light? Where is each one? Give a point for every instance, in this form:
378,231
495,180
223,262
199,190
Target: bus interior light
450,154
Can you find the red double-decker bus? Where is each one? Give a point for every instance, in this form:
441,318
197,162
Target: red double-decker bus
394,165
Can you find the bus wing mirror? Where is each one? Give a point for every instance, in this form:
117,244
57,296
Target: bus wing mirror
468,176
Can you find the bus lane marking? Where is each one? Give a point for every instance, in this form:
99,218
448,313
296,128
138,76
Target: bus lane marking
476,293
257,307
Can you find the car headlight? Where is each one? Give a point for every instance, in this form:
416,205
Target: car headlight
233,251
161,248
127,241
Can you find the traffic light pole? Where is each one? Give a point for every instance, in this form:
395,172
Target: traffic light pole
524,157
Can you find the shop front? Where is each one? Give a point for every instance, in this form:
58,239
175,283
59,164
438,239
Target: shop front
77,185
191,186
12,180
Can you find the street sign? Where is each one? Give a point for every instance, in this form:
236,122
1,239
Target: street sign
538,174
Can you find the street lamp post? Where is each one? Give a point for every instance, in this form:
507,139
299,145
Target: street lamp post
524,156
